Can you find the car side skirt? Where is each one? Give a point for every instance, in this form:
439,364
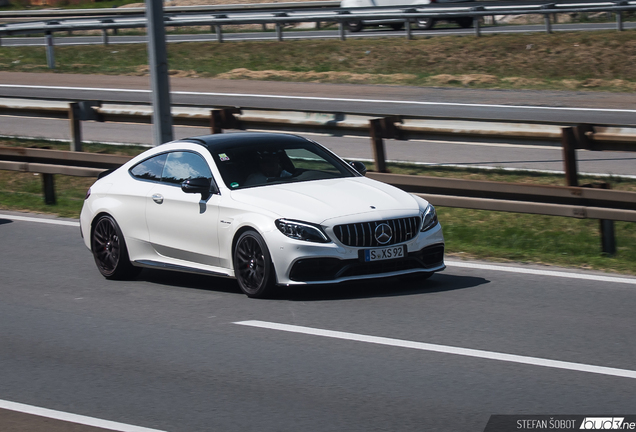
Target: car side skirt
180,268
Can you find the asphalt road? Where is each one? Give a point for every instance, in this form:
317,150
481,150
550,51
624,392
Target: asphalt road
165,351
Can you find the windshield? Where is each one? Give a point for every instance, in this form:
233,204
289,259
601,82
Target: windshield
274,163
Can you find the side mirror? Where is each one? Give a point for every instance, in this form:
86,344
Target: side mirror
359,166
201,185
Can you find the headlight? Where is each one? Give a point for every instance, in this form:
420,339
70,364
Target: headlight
302,231
429,218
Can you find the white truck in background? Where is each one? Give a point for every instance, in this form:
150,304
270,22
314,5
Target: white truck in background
422,23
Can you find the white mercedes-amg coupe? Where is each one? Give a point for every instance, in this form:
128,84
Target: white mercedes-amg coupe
265,208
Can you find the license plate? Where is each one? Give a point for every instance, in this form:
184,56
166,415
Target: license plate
386,253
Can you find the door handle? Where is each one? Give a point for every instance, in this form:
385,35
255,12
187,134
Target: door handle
158,198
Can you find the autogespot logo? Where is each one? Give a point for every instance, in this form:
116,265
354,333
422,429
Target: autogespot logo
606,423
383,233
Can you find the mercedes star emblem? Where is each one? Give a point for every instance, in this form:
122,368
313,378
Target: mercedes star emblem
383,233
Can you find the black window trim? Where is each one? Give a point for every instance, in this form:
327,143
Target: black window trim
214,183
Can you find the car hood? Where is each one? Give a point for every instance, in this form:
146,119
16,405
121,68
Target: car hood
319,200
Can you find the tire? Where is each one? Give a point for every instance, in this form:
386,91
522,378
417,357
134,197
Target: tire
109,250
465,22
253,265
397,26
354,26
425,23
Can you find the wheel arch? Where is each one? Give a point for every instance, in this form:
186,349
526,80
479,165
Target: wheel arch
239,232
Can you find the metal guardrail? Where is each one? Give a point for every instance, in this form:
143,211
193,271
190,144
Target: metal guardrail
577,202
407,14
377,126
169,10
573,200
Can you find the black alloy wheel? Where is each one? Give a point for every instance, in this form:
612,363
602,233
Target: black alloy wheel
253,265
109,250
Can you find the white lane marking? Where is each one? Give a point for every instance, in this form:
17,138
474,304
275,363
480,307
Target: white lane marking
449,263
73,418
467,352
40,220
591,277
332,99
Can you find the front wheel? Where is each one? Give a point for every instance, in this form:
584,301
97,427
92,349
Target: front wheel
425,23
354,26
109,250
253,265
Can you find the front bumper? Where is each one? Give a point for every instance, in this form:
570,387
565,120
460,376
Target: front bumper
428,259
301,263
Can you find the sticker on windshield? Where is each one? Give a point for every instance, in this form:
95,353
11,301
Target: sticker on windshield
223,157
234,184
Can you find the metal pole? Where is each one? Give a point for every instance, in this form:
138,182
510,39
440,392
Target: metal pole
219,34
608,239
341,30
50,52
279,32
158,64
105,36
48,185
476,24
548,24
619,21
409,34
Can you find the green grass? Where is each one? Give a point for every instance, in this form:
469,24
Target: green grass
469,233
604,60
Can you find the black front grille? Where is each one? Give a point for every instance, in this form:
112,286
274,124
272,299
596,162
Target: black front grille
362,234
327,269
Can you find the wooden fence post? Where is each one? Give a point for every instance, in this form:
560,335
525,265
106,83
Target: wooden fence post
377,143
74,117
224,119
568,141
379,129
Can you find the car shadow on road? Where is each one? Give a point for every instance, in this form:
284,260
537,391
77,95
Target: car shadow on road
5,221
388,287
385,287
189,280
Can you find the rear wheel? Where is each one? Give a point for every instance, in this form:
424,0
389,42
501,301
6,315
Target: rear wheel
253,265
425,23
354,26
465,22
109,250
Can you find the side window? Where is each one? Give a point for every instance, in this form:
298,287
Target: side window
150,169
181,166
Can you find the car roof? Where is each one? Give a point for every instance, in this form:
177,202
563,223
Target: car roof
218,141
